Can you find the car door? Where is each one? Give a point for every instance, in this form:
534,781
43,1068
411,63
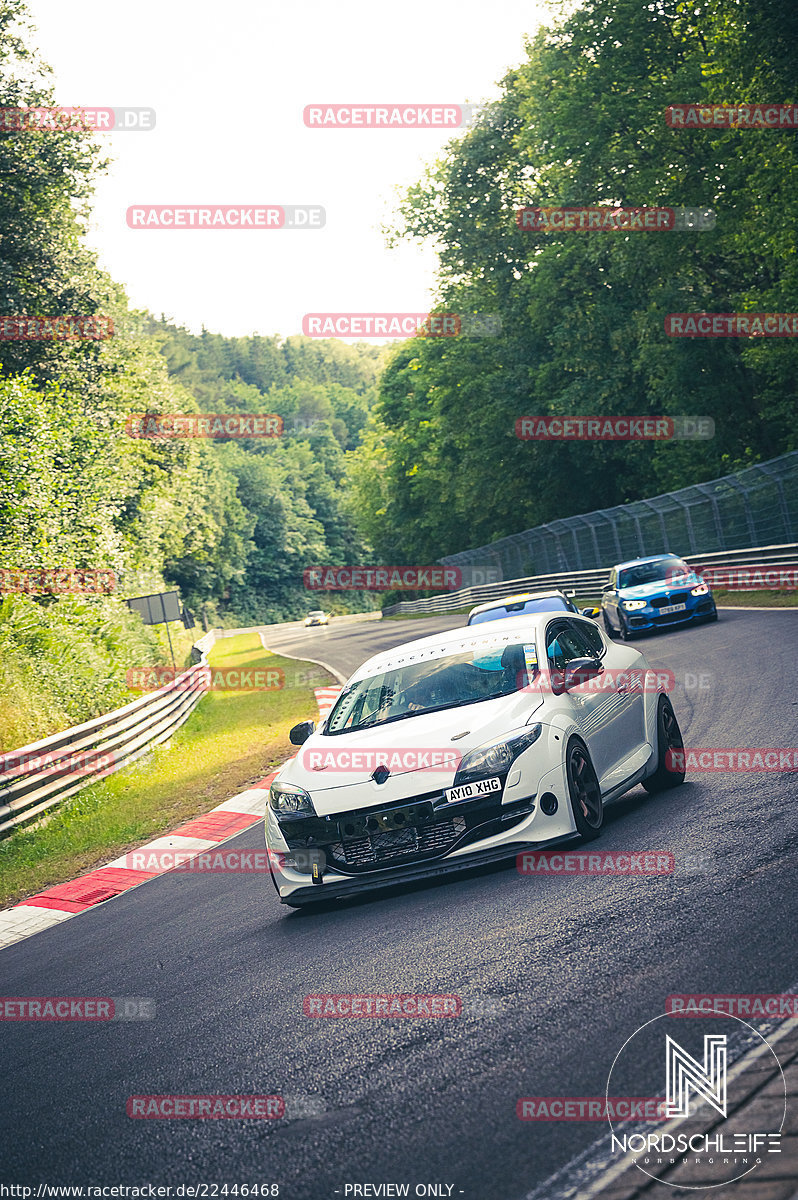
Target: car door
593,707
609,600
630,725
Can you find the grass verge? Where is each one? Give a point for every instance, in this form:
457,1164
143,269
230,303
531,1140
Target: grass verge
230,741
755,599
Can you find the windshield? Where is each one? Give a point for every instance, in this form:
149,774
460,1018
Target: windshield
542,604
465,677
650,572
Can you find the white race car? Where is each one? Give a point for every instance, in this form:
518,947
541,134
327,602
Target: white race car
464,748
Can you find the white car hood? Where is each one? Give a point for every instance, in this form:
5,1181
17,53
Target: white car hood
339,786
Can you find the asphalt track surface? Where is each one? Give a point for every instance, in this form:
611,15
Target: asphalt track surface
565,969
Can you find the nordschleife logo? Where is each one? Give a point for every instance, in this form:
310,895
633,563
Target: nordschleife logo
714,1133
683,1075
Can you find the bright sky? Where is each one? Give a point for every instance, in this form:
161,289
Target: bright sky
229,83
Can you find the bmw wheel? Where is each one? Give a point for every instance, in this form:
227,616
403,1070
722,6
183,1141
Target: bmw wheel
610,631
669,740
584,791
626,634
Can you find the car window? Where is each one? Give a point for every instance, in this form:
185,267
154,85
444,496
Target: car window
559,650
665,569
521,608
450,680
590,636
567,640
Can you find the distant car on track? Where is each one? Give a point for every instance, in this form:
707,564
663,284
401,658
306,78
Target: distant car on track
317,617
525,603
654,593
467,747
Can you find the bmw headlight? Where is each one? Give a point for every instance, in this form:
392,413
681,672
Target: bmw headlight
287,800
632,604
701,590
495,759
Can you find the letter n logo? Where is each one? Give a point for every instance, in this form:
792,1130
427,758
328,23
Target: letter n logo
684,1073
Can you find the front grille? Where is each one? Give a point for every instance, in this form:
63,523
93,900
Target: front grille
664,601
376,849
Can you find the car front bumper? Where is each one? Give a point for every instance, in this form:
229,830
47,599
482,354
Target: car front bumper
480,833
642,619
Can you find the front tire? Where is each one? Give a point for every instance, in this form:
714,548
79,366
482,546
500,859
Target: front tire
584,791
669,737
609,629
626,635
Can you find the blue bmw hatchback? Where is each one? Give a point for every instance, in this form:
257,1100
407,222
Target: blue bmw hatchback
654,593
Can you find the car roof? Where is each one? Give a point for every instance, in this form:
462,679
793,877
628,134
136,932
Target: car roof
516,598
633,562
508,629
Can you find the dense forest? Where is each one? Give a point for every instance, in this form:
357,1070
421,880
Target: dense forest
231,524
583,122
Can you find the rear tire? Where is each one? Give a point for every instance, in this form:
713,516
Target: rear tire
584,791
669,737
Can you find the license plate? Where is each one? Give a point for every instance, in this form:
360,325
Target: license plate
673,608
469,791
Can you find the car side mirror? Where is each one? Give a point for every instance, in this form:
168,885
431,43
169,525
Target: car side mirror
607,587
301,732
591,612
579,670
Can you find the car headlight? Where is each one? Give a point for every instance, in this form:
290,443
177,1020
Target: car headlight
286,799
495,759
701,590
632,604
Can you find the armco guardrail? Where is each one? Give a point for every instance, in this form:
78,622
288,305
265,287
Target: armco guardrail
35,778
584,583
